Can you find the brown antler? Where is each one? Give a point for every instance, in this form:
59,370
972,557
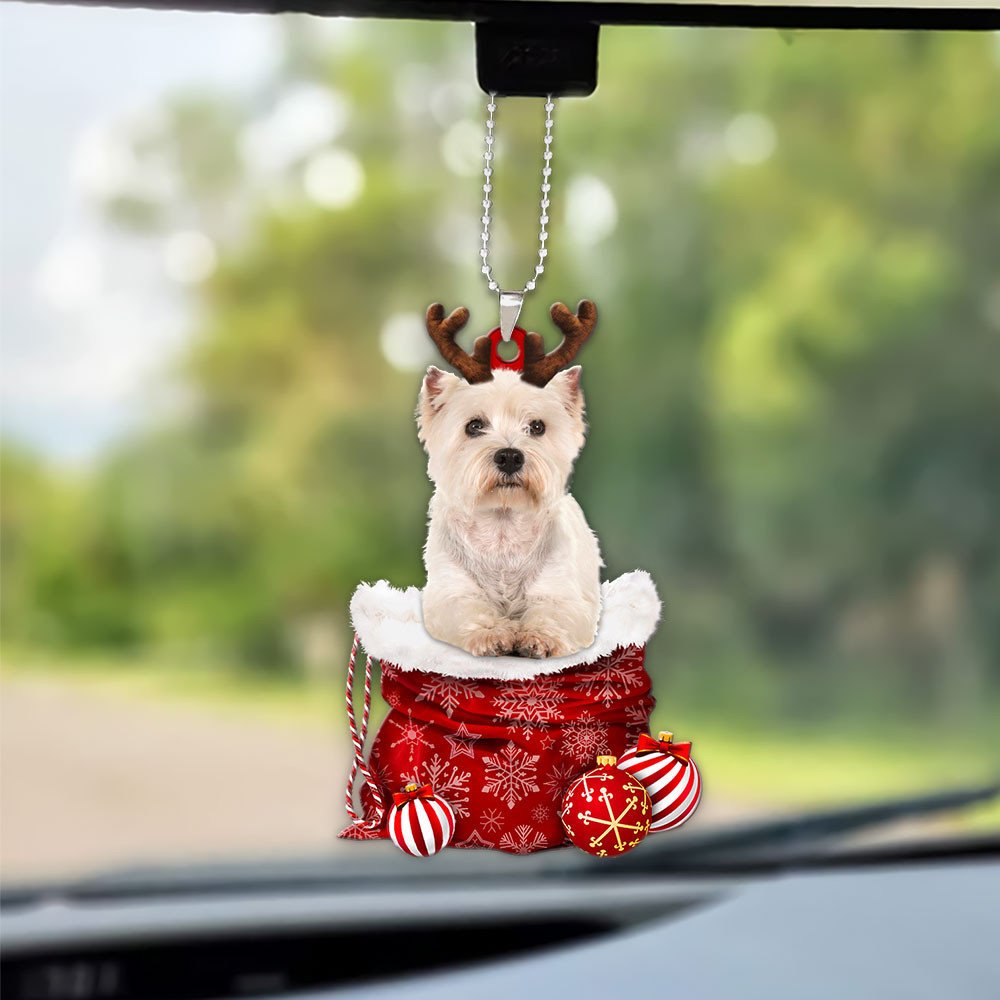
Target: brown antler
473,367
539,368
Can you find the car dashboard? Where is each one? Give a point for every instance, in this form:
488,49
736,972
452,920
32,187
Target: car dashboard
500,926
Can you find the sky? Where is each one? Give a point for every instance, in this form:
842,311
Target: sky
86,322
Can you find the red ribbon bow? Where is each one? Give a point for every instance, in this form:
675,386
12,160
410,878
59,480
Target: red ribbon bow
682,751
412,792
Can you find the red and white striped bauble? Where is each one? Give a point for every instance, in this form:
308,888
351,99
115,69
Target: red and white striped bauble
669,775
420,823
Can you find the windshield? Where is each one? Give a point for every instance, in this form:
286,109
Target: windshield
219,237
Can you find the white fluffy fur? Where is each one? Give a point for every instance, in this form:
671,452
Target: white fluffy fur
512,565
389,622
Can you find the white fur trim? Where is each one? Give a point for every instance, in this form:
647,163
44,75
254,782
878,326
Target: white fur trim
390,624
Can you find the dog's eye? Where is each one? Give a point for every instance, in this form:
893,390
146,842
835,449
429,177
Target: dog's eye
475,427
536,428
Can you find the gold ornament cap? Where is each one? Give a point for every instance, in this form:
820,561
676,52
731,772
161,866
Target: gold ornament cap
664,736
606,760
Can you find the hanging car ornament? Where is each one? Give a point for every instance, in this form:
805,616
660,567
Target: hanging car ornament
489,750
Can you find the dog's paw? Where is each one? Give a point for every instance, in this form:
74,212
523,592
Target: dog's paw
539,645
497,641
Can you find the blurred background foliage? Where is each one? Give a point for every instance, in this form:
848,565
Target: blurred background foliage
793,390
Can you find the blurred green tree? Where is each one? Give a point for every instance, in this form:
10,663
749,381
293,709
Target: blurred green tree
793,388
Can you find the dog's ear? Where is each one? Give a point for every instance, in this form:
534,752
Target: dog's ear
434,393
566,385
436,387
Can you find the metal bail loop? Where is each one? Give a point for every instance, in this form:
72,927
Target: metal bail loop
510,309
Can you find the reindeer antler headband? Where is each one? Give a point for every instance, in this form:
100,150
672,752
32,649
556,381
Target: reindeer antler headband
539,367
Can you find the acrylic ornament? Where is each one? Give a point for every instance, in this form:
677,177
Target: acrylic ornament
500,738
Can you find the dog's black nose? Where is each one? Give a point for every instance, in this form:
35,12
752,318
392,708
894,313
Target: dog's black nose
509,460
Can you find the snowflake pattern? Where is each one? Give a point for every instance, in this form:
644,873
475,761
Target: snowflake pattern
541,813
584,740
632,735
636,722
510,774
447,781
491,820
523,730
357,833
530,701
524,839
411,735
613,676
503,753
558,778
388,779
637,715
448,693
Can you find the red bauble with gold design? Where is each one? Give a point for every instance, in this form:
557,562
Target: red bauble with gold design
606,812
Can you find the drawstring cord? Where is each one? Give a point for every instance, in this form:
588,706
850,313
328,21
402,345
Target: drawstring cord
358,737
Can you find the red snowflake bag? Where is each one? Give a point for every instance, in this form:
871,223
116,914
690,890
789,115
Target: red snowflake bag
498,738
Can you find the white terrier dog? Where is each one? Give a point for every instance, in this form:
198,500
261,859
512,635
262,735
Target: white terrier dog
512,565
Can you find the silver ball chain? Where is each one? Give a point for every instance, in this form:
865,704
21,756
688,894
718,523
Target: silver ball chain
543,205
